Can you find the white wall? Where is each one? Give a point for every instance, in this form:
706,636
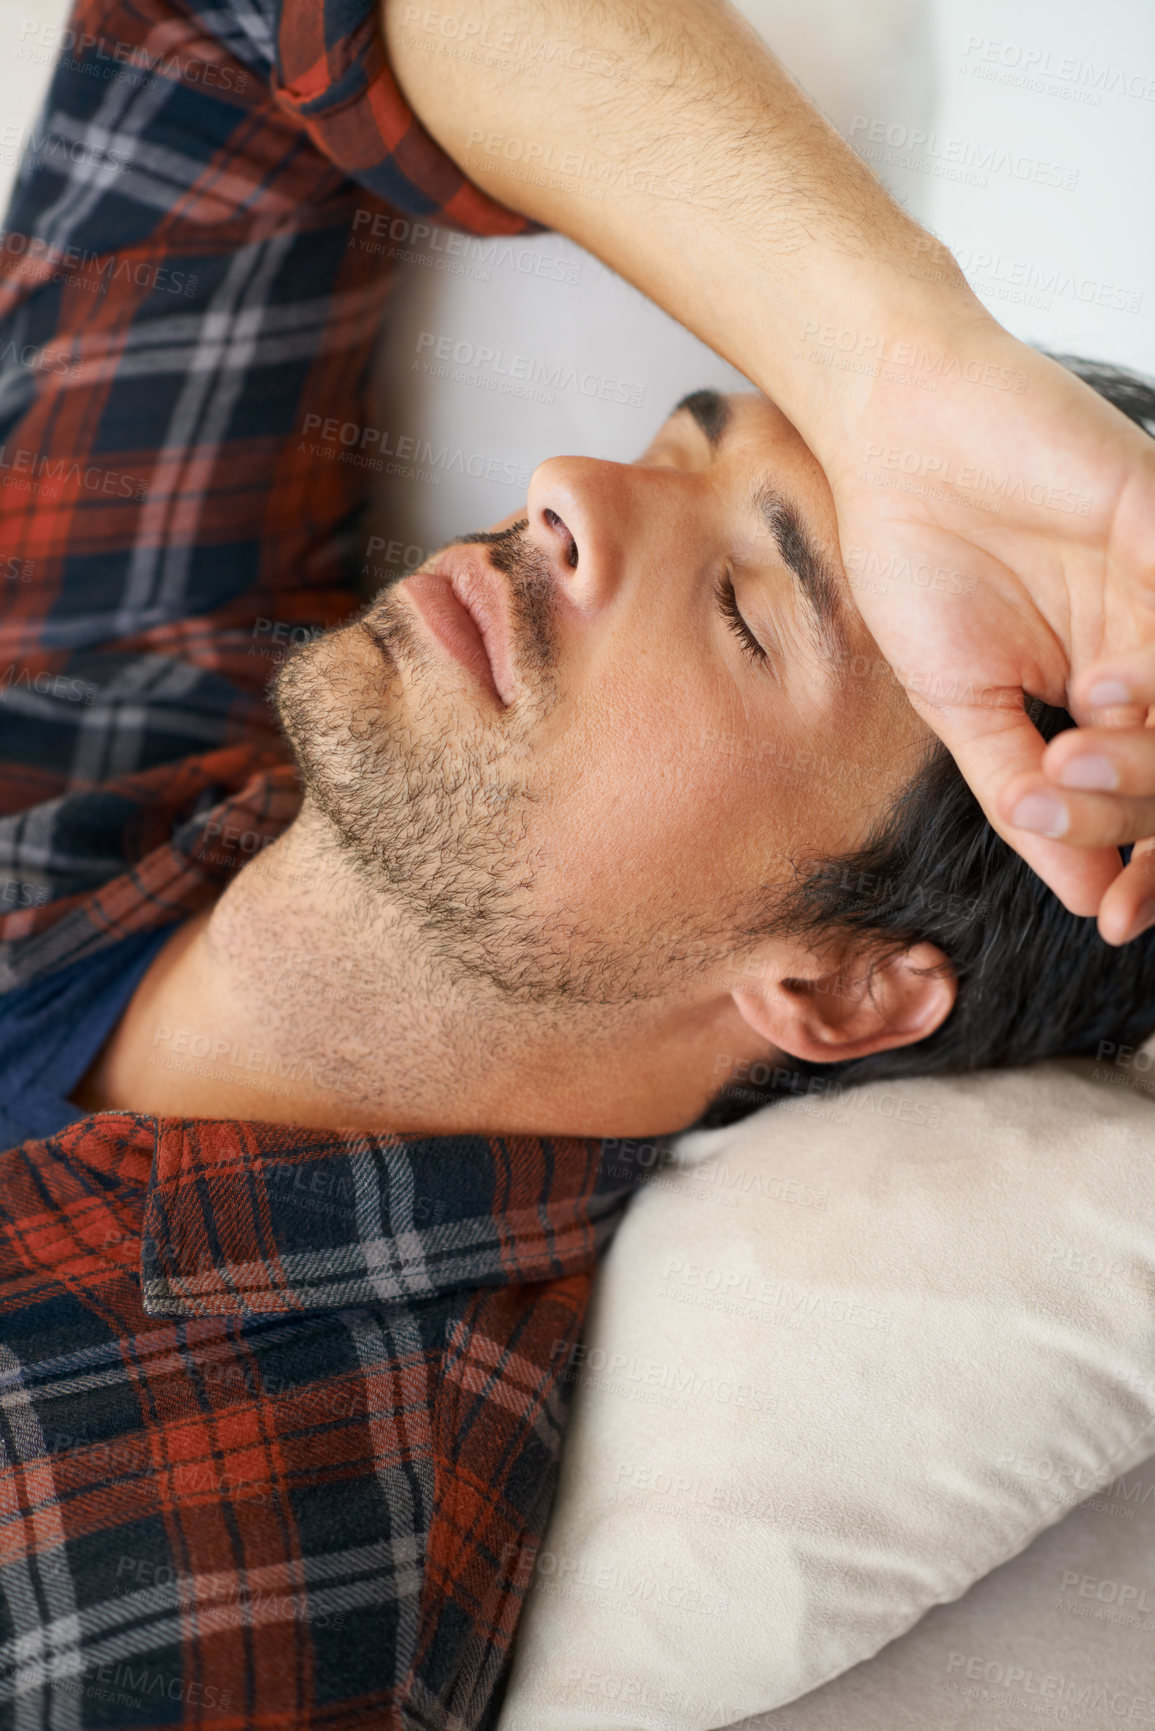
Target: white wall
24,75
1085,103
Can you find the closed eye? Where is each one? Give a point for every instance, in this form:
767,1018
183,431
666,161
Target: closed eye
728,607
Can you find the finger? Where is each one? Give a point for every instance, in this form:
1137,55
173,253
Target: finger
1082,820
1115,682
999,750
1104,760
1128,907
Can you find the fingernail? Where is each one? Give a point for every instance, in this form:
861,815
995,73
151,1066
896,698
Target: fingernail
1107,693
1043,813
1144,918
1092,771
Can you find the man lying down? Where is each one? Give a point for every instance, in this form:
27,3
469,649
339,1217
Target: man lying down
605,803
600,801
313,1084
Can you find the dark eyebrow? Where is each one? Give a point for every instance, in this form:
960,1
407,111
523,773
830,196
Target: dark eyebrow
817,581
710,410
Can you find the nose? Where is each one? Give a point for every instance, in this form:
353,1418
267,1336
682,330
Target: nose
582,514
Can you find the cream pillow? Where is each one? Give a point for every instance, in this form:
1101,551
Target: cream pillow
841,1361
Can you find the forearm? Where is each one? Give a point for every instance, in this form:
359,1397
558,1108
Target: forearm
664,136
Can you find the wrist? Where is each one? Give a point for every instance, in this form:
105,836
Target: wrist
864,332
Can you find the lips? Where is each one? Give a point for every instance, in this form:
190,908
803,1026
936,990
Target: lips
464,608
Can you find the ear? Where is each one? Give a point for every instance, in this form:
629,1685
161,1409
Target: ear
829,1015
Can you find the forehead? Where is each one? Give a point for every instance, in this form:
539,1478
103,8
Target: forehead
726,417
763,462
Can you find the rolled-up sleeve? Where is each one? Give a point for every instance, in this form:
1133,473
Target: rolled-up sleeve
332,74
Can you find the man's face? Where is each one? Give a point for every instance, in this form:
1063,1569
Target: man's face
677,701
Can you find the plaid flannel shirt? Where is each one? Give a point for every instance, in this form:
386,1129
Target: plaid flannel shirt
281,1409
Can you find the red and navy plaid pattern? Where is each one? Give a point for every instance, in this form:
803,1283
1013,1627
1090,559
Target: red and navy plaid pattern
280,1408
183,299
280,1418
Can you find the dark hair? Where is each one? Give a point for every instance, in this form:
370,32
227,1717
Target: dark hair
1034,981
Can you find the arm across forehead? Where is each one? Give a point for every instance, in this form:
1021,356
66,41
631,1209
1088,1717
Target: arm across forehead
719,190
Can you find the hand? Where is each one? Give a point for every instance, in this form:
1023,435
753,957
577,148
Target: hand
1113,754
999,538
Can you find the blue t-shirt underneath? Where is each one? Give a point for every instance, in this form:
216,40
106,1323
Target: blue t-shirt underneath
52,1029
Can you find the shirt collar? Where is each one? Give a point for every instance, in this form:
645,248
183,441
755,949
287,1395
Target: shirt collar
250,1218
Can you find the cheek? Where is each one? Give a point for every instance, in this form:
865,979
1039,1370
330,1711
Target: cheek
649,801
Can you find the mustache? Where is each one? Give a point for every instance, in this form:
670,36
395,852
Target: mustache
494,537
531,587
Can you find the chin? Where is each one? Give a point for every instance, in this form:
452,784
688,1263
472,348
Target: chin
330,696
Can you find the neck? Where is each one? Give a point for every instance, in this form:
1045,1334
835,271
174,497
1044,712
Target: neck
302,998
